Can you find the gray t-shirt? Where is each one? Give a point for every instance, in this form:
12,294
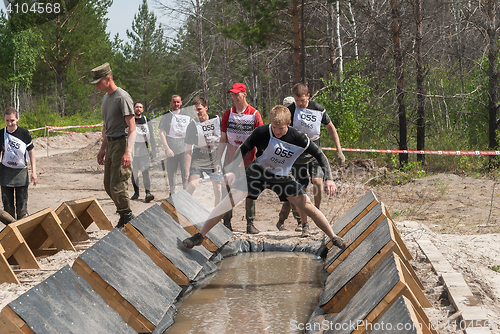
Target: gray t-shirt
114,107
175,140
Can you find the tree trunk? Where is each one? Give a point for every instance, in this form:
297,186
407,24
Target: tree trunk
339,43
492,78
400,95
201,50
420,82
331,39
296,40
302,45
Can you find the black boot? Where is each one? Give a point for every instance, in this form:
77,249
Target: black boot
227,223
124,219
251,229
195,240
149,197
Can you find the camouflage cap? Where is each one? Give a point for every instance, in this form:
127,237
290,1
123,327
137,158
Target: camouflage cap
100,72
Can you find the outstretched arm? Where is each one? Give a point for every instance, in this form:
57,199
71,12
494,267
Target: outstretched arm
34,177
332,131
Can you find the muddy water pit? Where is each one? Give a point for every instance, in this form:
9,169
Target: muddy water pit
266,292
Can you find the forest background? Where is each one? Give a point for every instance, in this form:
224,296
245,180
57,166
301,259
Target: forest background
393,74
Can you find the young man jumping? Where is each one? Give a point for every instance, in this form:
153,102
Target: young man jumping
278,146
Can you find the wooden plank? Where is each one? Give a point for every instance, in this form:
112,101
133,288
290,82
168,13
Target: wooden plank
95,282
52,226
135,277
172,211
351,274
437,260
71,224
66,303
76,232
79,206
155,255
359,210
382,290
186,224
65,214
165,236
7,275
340,300
404,253
9,322
97,214
355,213
188,207
356,235
459,292
10,239
397,237
19,250
463,300
402,312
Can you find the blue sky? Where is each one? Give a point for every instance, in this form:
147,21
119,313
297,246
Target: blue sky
121,14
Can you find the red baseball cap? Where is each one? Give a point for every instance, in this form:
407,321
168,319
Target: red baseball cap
238,87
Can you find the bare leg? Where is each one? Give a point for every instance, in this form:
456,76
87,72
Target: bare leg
223,207
304,205
217,192
193,183
317,188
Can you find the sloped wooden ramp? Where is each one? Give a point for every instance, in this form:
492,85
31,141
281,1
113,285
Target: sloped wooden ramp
353,215
63,303
191,215
349,276
390,281
158,235
128,280
76,216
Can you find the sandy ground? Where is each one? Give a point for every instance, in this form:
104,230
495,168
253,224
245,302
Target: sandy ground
460,215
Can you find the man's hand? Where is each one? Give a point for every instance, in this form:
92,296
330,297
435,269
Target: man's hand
218,168
330,188
126,160
34,178
228,179
169,153
100,156
340,158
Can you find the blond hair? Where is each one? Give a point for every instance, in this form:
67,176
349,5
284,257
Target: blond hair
280,115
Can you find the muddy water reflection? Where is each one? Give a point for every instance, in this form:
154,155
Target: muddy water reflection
268,292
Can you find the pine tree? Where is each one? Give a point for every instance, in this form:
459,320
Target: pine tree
145,55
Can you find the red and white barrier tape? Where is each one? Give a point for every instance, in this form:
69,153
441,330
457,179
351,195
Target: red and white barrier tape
80,133
51,128
73,126
416,152
366,150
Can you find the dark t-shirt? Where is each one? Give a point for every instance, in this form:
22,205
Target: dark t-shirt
175,142
15,177
144,132
315,106
261,136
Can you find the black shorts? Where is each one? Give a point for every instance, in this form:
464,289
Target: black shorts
256,180
303,173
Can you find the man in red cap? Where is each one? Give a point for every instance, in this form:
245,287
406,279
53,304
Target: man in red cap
237,124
